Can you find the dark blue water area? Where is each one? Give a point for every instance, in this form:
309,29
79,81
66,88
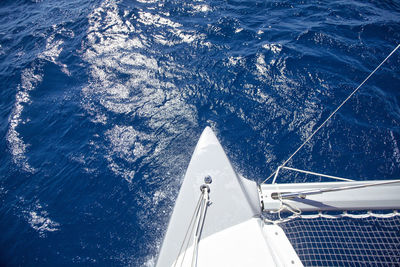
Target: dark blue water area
102,103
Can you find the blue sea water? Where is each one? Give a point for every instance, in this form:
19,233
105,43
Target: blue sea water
102,103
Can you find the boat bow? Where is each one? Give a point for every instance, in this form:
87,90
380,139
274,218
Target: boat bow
231,230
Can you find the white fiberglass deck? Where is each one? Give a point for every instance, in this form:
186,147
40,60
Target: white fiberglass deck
233,233
251,243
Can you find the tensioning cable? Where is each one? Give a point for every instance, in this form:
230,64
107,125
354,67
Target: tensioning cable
330,116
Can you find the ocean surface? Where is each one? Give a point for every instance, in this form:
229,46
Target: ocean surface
102,103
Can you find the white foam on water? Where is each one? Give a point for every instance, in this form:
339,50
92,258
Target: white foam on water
238,30
127,144
201,8
127,79
274,48
115,47
161,21
396,150
41,223
158,196
54,47
234,61
261,65
150,262
30,79
39,219
148,18
148,1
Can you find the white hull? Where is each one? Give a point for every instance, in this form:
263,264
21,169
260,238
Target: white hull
228,230
233,233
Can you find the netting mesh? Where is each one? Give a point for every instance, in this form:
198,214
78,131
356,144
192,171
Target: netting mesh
345,241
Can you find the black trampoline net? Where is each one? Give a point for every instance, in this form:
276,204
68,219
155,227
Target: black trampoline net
345,241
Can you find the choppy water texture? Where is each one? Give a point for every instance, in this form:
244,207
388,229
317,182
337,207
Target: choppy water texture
102,102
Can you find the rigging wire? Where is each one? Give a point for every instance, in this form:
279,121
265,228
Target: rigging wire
200,224
188,233
330,116
194,229
317,174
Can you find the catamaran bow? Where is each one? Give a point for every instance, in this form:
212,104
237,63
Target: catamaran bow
218,217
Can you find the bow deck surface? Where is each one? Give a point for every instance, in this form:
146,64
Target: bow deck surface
233,233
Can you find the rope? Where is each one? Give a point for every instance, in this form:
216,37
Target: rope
333,113
199,225
344,214
285,207
190,229
196,222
